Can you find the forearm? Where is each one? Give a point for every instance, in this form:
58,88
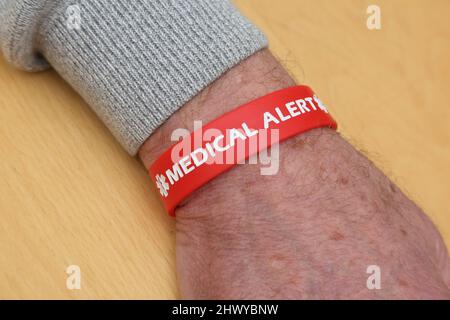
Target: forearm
309,231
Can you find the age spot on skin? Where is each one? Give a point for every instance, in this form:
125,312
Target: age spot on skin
300,144
404,232
337,236
403,283
342,180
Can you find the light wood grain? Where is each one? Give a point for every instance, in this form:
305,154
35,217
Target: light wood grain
70,195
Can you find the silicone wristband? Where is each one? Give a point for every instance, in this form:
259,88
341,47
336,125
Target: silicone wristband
232,138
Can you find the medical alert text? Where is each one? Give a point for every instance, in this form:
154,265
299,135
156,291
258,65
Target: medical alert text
224,142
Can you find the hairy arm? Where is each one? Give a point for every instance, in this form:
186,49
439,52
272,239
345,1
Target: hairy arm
311,230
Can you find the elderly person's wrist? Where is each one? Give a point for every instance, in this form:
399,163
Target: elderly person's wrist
311,230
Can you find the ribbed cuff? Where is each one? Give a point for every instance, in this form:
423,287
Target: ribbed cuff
135,62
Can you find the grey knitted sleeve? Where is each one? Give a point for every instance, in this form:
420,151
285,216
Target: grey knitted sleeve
134,61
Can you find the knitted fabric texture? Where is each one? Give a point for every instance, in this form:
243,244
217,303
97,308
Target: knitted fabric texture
135,62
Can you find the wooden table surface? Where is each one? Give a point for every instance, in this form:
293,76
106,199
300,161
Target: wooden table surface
69,195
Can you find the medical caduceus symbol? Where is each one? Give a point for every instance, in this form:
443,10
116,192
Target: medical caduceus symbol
162,185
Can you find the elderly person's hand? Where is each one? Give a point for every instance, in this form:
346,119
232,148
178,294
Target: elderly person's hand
311,230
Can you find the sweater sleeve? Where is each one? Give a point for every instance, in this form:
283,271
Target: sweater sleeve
134,62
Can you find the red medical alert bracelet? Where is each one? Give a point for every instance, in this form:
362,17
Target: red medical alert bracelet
234,137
